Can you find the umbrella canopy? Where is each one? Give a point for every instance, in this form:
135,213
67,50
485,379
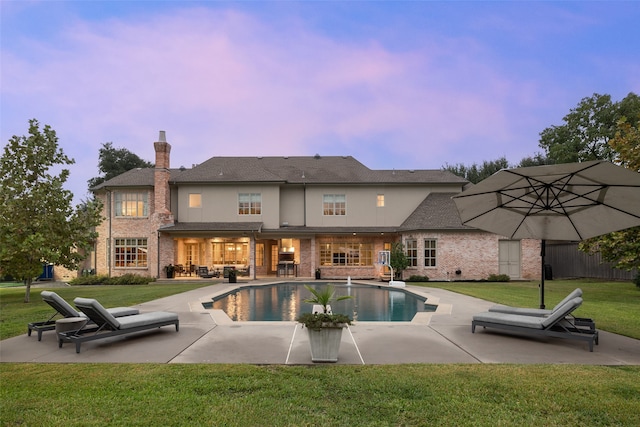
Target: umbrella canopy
572,201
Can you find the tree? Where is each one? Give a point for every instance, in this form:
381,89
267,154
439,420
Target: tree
398,259
622,247
588,129
476,173
538,159
37,222
115,161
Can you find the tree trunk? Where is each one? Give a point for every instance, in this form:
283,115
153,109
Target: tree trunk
27,293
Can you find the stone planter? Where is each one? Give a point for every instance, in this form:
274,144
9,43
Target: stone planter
325,344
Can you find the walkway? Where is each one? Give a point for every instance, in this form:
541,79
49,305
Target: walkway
208,336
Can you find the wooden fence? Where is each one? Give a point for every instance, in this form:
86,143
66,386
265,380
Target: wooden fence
566,261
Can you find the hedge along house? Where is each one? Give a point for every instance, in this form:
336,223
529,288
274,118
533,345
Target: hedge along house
293,216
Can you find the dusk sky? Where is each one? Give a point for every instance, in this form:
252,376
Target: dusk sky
397,85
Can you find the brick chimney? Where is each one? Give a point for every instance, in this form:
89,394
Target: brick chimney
161,174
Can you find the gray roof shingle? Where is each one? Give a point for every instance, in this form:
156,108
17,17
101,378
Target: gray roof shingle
292,170
436,212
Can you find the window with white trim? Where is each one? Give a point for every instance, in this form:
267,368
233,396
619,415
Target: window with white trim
380,201
334,204
249,204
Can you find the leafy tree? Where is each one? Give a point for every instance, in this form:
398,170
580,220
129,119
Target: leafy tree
115,161
37,222
621,247
398,259
587,129
537,159
476,173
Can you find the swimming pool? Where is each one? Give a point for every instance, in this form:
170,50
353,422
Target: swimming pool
285,301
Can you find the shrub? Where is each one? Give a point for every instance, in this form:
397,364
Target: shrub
417,278
637,280
127,279
498,278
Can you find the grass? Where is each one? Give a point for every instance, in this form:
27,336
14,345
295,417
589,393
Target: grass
246,395
386,395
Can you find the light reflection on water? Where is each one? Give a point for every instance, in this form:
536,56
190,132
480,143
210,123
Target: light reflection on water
285,302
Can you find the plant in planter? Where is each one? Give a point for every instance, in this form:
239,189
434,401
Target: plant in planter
170,270
233,276
324,327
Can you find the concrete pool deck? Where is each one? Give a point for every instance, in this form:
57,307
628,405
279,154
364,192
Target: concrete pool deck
209,336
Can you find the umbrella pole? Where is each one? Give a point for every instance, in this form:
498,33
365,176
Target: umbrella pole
543,247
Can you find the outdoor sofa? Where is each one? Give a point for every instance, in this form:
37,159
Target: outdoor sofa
559,324
106,325
63,308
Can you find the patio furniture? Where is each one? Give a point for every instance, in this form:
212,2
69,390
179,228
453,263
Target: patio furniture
557,325
65,309
107,326
540,312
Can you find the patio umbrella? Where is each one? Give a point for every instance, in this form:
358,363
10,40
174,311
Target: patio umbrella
572,201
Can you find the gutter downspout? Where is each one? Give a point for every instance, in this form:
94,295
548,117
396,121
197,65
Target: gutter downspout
109,215
158,256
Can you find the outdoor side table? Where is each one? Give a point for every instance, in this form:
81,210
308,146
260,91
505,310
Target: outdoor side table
70,324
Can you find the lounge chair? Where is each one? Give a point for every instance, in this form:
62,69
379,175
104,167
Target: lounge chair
107,326
65,309
558,324
540,312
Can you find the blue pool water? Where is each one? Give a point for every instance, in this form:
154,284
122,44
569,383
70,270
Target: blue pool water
285,301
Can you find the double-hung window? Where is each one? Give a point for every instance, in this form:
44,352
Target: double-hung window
334,204
249,204
131,204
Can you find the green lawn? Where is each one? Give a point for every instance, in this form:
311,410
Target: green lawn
335,395
390,395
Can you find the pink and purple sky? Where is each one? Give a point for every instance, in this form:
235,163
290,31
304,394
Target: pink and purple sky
397,85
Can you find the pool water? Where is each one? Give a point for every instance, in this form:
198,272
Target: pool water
285,301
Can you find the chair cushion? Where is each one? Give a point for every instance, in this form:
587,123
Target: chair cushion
576,293
146,319
60,304
102,312
562,312
531,322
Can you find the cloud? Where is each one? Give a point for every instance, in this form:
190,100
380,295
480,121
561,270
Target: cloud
228,82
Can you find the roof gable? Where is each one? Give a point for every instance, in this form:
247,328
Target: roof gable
436,211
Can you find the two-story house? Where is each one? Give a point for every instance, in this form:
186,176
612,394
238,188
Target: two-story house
289,216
